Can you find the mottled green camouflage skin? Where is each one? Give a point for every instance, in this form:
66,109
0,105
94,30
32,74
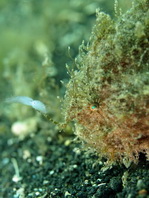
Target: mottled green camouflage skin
108,94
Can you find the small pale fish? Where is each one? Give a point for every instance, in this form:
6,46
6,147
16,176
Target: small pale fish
35,104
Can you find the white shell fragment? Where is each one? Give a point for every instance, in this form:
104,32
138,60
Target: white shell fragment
35,104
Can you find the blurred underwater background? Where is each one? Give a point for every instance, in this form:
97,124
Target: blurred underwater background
37,39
